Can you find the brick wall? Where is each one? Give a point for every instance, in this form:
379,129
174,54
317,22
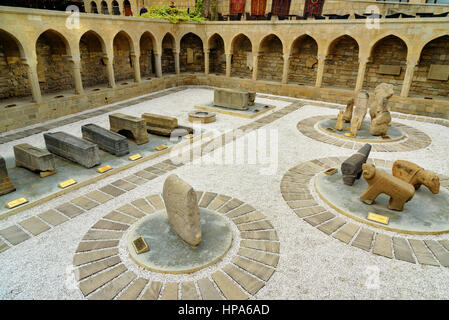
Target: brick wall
194,42
239,67
168,58
217,57
122,60
13,74
146,56
271,62
93,70
303,62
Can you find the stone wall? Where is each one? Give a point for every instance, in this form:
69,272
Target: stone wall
217,57
146,56
122,59
168,58
93,67
193,42
239,64
303,61
271,62
13,74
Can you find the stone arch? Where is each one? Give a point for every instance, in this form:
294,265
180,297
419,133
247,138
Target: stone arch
93,65
93,7
342,63
425,81
123,49
147,46
217,57
168,53
242,56
53,66
127,8
115,8
271,60
387,63
303,62
104,8
191,55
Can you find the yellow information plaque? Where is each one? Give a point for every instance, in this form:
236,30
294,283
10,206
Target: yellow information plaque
104,169
66,183
44,174
135,157
349,134
331,171
348,129
189,136
378,218
161,147
16,203
140,245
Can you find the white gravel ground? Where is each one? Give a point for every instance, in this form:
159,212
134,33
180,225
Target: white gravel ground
312,265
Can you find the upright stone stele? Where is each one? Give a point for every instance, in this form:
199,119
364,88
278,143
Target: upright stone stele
359,111
34,159
120,122
182,209
416,176
106,140
347,115
380,115
340,122
233,99
351,168
6,185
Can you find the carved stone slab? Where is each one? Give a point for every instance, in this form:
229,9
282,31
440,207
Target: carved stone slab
5,183
120,122
233,99
34,159
106,140
72,148
391,70
160,120
438,72
182,209
351,168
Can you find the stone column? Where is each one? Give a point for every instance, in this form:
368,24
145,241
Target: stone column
206,61
228,64
411,64
158,65
255,65
177,67
76,70
285,69
361,73
33,79
135,58
110,70
320,70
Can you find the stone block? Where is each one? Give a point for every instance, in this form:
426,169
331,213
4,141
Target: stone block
122,123
72,148
233,99
106,140
6,185
33,158
389,69
351,168
160,120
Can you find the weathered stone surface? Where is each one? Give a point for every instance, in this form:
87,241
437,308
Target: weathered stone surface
233,99
208,291
34,225
159,120
182,209
134,290
347,115
359,111
202,116
381,182
228,288
170,132
415,175
72,148
106,140
251,98
380,116
5,182
351,168
33,158
340,122
122,123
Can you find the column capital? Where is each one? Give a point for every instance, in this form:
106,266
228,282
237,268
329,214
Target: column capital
321,57
363,60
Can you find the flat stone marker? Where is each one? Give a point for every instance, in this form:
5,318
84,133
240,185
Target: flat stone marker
72,148
34,159
136,126
6,185
233,99
106,140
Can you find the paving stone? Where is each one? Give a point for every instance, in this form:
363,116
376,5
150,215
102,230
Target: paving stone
297,196
445,243
102,235
270,246
170,291
95,245
252,216
259,270
331,226
119,217
364,239
260,256
90,256
164,166
319,218
69,210
14,235
109,225
188,291
439,252
258,225
92,268
346,232
259,235
135,179
230,205
109,291
402,251
155,171
130,210
302,213
143,205
218,202
134,290
34,225
91,284
249,283
156,201
153,291
207,290
423,254
382,246
207,198
145,175
84,203
3,246
122,184
98,196
297,204
230,290
246,208
112,190
198,195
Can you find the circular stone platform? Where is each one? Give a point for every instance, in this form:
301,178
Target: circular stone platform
425,213
169,254
202,116
363,135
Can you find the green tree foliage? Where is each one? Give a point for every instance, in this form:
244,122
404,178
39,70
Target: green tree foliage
175,15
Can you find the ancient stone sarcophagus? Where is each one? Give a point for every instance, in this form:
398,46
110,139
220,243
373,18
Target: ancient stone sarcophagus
34,159
125,124
234,99
351,168
164,126
6,185
106,140
72,148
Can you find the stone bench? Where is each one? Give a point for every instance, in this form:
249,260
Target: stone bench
106,140
233,99
122,123
72,148
6,185
34,159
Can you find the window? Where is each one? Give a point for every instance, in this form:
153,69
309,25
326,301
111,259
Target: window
438,1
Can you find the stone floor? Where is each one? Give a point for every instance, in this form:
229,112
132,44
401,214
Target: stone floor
287,244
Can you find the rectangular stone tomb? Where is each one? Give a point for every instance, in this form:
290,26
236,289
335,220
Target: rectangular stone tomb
72,148
34,159
233,99
125,124
6,185
106,140
157,120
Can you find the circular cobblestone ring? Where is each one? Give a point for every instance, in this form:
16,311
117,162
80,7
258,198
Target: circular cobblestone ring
415,140
202,116
102,274
296,190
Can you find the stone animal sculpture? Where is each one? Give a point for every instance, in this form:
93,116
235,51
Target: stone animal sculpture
6,185
379,182
416,176
351,168
359,112
380,116
347,115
